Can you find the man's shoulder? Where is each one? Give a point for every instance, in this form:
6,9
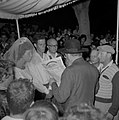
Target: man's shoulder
85,66
114,68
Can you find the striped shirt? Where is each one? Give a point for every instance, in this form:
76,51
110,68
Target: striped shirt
105,81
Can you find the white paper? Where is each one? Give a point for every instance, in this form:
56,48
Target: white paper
55,68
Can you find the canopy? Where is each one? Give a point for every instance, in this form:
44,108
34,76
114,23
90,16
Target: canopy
16,9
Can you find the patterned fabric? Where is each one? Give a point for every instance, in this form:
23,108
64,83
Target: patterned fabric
11,9
105,81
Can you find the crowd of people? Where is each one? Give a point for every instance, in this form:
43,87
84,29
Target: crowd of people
89,84
8,35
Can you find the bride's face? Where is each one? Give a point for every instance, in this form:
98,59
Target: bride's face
28,55
25,59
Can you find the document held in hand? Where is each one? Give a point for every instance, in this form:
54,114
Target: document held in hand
55,68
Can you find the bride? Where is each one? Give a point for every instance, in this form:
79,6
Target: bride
27,64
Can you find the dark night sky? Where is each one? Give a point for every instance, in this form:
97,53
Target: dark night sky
102,15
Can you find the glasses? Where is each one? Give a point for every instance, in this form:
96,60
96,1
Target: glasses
52,45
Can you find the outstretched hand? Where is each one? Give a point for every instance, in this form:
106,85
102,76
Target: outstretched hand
51,81
49,95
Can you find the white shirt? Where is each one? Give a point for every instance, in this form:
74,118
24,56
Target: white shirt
45,57
51,56
36,72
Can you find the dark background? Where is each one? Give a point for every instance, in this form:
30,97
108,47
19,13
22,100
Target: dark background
102,14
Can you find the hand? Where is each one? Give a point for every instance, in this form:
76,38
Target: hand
46,85
51,81
49,95
109,116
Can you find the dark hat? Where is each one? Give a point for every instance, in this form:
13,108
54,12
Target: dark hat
72,47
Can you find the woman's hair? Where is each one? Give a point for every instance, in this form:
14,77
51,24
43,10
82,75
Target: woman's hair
41,110
83,36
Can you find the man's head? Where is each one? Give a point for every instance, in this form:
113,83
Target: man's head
52,45
4,37
82,39
94,56
41,110
71,57
84,112
20,95
40,44
105,53
72,50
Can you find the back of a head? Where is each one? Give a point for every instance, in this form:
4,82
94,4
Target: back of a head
20,95
41,110
6,73
84,112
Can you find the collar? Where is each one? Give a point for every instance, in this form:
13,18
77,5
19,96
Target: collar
42,58
80,59
50,55
108,65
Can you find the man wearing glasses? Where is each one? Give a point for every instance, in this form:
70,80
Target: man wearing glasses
52,51
52,46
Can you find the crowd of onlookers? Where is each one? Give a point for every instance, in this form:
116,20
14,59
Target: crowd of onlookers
19,100
8,35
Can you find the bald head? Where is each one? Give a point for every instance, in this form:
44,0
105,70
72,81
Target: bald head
52,45
51,41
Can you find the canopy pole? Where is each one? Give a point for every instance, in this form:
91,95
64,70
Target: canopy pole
117,34
18,32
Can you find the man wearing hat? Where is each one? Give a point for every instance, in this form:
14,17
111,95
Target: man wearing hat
107,97
78,80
